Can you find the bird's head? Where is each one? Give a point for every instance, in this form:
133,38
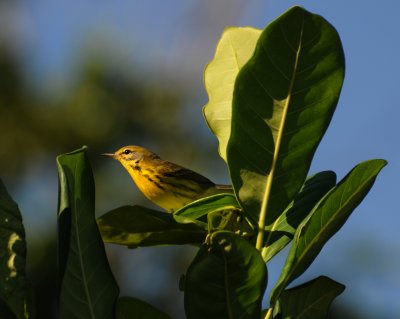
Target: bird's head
131,155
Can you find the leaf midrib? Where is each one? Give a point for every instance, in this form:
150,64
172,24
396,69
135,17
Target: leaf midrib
84,279
268,187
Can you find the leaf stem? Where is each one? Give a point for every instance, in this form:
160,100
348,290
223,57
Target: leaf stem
264,253
269,313
264,205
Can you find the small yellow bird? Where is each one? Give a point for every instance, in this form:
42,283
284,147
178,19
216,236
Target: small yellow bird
168,185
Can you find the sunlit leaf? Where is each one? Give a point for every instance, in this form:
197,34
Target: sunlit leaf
129,307
15,289
134,226
226,279
309,300
327,217
283,101
234,49
87,286
281,232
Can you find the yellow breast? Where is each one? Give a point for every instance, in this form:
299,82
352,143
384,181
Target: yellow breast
165,191
147,185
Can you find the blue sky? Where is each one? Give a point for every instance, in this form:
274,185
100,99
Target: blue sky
173,40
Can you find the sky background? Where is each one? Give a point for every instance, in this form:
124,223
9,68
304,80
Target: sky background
171,42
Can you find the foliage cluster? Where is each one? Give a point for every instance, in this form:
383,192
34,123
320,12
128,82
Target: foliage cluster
272,94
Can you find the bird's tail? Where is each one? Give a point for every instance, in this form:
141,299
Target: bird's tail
218,189
224,188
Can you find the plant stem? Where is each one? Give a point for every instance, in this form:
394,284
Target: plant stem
269,314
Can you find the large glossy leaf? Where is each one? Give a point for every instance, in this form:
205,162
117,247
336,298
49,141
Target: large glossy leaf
283,101
129,307
226,279
281,232
15,289
87,288
134,226
309,300
234,49
327,217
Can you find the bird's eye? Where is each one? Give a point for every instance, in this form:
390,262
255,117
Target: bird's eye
127,152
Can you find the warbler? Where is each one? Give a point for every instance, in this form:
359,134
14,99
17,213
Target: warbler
166,184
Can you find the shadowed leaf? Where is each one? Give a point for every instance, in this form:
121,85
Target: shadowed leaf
327,217
226,279
281,232
87,287
135,226
309,300
15,289
128,308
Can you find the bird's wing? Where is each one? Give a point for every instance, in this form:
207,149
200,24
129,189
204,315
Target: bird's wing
175,171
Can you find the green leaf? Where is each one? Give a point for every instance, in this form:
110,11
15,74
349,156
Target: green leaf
135,226
327,217
129,307
226,279
200,208
15,289
281,232
234,49
217,212
309,300
88,289
283,101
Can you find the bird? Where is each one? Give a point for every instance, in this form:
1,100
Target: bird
168,185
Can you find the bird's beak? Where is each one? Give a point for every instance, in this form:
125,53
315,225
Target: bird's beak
114,156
